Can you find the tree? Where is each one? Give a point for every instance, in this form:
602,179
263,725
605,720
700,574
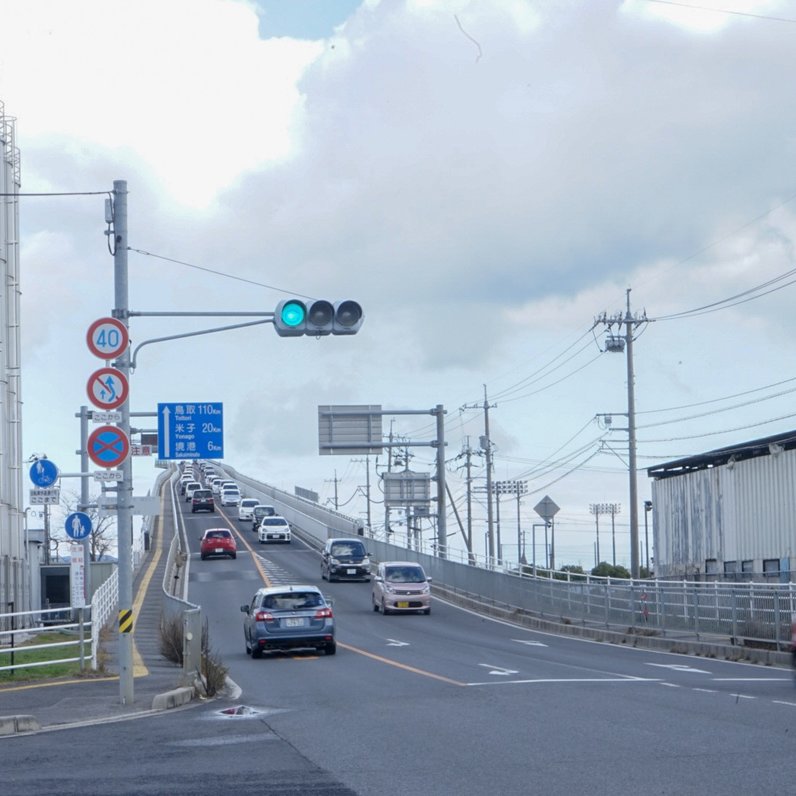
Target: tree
606,570
103,529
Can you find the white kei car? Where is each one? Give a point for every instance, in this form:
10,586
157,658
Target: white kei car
246,508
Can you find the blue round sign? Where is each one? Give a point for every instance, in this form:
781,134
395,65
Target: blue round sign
43,472
78,525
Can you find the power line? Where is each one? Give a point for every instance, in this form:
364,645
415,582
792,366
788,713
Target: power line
218,273
721,10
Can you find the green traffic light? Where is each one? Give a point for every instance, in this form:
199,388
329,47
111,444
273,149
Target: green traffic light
293,313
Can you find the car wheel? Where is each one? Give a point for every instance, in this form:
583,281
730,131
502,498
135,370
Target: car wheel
384,607
323,576
248,648
203,556
257,652
330,648
234,555
375,606
427,611
193,511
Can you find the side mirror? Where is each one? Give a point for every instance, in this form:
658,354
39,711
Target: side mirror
245,609
378,578
329,601
428,580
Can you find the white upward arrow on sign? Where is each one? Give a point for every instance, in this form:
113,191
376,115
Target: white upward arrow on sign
166,433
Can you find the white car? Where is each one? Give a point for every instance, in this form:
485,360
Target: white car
273,529
246,507
190,488
230,496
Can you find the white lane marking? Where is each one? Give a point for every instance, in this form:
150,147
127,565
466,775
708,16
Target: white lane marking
568,680
671,685
394,643
750,679
743,696
706,690
498,670
678,667
779,702
529,643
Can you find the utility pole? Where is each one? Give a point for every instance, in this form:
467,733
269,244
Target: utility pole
124,488
366,462
486,446
617,344
335,481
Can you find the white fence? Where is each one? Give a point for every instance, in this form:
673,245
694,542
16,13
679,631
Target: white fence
85,624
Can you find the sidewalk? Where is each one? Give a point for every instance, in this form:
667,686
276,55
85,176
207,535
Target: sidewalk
156,681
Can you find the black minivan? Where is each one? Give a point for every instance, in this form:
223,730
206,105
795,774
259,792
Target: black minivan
345,559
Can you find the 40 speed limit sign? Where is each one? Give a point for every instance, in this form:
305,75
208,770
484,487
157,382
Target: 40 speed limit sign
107,338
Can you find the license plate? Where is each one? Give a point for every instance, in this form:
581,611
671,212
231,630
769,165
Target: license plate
350,572
403,604
294,622
219,549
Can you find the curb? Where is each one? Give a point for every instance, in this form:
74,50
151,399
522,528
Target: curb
14,725
173,699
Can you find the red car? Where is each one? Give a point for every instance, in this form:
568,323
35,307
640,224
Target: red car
218,542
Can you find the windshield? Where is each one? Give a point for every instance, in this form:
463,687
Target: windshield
404,575
343,549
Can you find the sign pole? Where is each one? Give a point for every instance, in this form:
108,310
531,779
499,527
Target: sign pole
84,497
124,517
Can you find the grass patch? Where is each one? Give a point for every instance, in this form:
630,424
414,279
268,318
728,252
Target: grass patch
22,655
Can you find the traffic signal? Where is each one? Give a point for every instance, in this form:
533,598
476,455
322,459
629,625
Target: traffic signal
294,317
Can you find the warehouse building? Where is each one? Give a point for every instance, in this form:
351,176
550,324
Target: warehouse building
729,514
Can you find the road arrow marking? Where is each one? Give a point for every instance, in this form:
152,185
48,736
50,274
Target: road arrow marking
678,667
498,670
529,643
394,643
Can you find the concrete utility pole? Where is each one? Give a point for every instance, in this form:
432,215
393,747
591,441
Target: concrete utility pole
335,481
124,489
366,462
486,446
617,344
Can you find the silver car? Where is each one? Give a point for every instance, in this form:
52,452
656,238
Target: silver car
401,586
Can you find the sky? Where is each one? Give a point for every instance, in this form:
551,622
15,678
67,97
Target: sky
488,178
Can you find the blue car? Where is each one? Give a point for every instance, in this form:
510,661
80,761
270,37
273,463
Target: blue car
288,617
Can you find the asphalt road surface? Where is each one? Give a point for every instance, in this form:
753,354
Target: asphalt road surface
450,703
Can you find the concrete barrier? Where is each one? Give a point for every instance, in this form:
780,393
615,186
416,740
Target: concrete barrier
13,725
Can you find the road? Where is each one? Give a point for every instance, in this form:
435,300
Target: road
450,703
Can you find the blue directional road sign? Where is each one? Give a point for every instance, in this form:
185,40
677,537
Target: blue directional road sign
78,525
191,431
43,473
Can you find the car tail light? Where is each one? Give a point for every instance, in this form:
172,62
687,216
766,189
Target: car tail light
263,616
324,613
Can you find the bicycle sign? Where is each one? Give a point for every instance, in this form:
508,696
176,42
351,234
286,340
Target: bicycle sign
107,338
107,388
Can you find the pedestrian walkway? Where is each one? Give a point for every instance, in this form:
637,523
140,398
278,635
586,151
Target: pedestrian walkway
156,681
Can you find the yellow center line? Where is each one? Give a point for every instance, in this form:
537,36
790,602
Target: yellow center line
397,665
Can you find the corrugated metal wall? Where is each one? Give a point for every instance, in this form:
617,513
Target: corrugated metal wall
743,511
13,555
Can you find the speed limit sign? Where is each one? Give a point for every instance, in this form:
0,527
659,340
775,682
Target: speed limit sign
107,338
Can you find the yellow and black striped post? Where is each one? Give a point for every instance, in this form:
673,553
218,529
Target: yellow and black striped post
126,620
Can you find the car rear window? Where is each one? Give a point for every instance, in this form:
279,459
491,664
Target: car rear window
202,493
274,521
292,601
218,535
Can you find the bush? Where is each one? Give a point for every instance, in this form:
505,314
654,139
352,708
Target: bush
606,570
